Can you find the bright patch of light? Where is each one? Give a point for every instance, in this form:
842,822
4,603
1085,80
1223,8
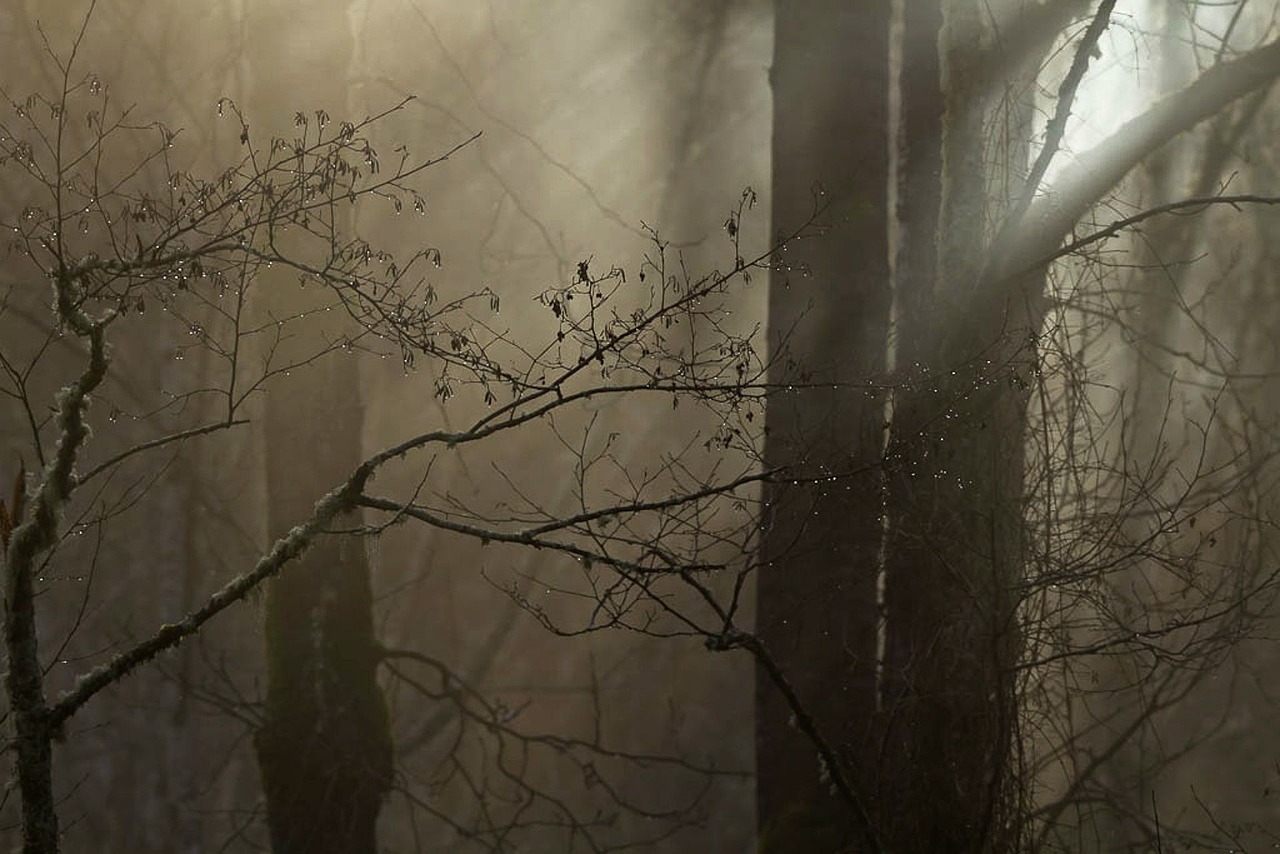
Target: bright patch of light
1118,86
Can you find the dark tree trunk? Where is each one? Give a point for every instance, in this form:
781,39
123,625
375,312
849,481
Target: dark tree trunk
828,323
324,750
954,467
952,562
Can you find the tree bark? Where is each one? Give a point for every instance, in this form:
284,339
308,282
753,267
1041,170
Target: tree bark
33,726
954,554
828,326
24,683
324,749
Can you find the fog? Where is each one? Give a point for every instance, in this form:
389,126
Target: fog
466,366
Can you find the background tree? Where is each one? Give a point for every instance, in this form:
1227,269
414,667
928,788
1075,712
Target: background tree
324,748
1148,715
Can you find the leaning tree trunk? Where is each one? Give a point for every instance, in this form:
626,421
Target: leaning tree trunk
828,326
324,749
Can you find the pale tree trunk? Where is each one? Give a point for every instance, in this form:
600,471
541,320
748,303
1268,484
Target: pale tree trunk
324,750
1163,254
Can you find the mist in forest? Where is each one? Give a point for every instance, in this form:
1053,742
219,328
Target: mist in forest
649,425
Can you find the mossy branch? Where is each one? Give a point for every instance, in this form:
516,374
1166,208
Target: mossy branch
28,541
169,635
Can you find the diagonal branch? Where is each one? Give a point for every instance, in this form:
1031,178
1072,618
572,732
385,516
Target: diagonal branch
1189,206
1057,127
285,549
1049,219
160,442
1026,37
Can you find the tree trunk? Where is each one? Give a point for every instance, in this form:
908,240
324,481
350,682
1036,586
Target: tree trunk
953,477
953,480
952,560
828,324
324,750
24,683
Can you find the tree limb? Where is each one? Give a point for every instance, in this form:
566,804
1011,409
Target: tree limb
285,549
1057,126
1098,171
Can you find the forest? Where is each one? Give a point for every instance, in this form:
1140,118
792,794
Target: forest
793,427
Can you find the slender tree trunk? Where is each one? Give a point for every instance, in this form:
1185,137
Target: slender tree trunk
27,537
324,750
828,324
24,682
